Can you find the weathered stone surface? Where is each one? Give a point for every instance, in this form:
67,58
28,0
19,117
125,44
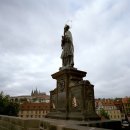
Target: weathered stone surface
67,55
73,97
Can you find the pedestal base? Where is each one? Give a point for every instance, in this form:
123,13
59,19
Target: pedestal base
73,98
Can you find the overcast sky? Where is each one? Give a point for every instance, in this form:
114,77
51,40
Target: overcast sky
30,38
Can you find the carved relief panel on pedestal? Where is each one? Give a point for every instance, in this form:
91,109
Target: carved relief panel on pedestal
53,100
61,94
61,85
75,99
89,102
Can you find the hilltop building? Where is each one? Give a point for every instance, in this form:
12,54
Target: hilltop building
36,105
35,97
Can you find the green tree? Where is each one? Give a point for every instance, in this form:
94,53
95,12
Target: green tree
7,107
103,113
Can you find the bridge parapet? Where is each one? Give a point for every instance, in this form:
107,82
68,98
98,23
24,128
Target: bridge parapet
16,123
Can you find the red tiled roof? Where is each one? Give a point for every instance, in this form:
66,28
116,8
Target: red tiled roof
126,100
34,106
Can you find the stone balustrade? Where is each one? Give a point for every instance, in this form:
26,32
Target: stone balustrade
16,123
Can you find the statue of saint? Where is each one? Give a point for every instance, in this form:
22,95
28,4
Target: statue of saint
67,55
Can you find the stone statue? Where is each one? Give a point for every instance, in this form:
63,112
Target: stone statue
67,55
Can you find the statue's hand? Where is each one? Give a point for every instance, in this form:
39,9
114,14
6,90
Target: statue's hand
63,37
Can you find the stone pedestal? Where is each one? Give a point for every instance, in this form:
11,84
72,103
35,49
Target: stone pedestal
73,98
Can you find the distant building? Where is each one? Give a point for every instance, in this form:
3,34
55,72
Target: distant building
36,105
110,108
33,110
35,97
126,106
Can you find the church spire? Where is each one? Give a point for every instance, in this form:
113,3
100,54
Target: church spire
32,93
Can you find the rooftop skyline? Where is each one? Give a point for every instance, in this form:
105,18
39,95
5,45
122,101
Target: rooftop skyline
30,44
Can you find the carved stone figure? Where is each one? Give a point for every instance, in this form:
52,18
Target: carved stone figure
74,102
67,55
73,97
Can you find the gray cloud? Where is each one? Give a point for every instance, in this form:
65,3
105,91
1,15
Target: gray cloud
105,41
30,34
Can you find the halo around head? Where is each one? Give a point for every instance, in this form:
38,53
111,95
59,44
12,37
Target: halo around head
69,23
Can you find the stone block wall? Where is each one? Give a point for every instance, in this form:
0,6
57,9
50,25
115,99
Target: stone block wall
15,123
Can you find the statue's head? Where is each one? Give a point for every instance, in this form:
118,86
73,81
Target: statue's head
66,27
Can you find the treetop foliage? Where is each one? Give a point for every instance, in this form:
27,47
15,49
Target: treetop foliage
7,107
